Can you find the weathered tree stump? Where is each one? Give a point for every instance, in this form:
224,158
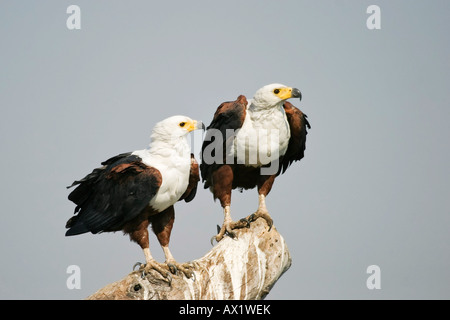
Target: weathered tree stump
245,268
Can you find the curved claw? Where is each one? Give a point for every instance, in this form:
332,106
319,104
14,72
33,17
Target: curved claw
261,214
141,268
227,229
169,278
137,264
144,269
189,274
246,221
181,269
173,268
231,234
215,237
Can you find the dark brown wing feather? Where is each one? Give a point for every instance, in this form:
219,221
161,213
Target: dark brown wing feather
297,143
112,195
194,178
229,115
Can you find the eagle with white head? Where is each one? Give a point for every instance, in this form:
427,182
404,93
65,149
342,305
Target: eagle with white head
248,144
133,190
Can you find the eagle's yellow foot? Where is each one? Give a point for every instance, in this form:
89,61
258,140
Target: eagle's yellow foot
184,268
227,229
153,265
261,213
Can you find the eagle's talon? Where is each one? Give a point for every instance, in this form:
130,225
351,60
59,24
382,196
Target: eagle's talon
153,265
137,264
227,229
194,278
247,223
231,234
187,272
169,278
181,268
172,268
141,269
190,274
261,214
250,218
221,231
269,222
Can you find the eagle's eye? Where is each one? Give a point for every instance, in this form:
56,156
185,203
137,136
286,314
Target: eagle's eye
182,124
276,91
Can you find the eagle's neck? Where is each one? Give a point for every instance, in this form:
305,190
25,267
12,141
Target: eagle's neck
167,153
177,147
260,112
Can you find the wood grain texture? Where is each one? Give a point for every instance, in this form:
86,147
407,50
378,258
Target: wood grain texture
242,269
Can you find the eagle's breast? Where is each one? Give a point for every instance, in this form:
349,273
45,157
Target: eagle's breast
174,169
263,137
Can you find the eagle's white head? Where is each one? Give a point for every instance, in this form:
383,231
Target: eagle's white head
272,94
175,127
169,136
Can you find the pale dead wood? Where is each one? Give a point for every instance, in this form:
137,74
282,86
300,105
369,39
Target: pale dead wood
246,268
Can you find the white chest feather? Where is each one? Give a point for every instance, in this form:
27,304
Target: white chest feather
174,169
264,137
174,183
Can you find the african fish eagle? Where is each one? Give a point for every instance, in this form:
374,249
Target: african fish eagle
133,190
260,137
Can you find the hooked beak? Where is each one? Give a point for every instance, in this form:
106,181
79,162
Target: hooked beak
195,125
288,92
296,93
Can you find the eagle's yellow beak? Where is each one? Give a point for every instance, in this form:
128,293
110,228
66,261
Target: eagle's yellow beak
286,93
194,125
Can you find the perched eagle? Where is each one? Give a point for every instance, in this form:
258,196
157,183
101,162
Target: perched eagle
248,144
132,190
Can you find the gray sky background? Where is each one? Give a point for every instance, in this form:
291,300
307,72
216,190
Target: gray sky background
373,187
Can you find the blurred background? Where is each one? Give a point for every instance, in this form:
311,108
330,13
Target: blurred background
373,188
